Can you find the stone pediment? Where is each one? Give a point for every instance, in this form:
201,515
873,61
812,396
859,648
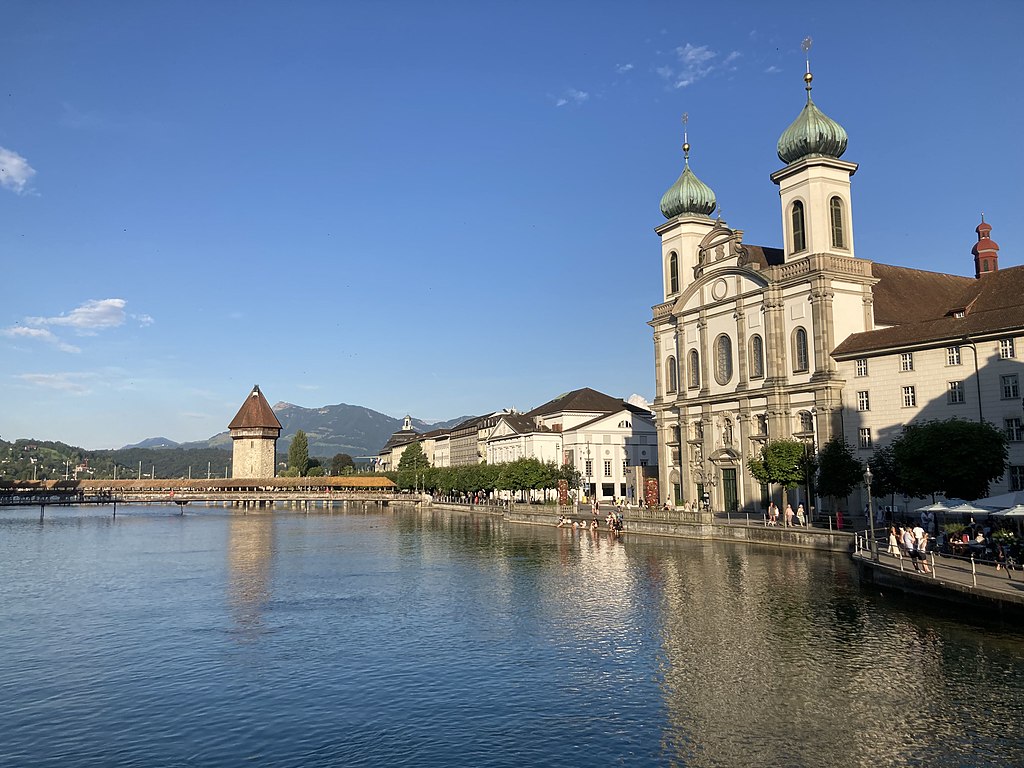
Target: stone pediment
720,286
721,247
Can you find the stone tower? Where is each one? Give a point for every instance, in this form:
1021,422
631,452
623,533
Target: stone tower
254,433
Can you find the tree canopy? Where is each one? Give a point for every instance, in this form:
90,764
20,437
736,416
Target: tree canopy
298,454
342,463
781,462
956,458
839,471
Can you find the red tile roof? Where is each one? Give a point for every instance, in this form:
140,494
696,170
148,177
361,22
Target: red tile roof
255,413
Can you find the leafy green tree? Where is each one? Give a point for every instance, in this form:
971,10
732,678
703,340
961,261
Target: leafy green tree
298,453
782,462
839,471
316,471
412,466
341,462
954,457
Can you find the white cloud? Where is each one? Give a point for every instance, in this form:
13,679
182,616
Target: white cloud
143,320
572,96
15,171
87,318
72,383
37,334
733,55
772,70
693,63
623,68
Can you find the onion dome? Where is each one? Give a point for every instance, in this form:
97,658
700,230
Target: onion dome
689,196
812,134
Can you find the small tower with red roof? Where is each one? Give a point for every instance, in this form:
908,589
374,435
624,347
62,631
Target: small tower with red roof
986,251
254,433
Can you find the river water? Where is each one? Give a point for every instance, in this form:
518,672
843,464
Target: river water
369,637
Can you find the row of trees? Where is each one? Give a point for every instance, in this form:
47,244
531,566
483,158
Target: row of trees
955,458
520,476
301,464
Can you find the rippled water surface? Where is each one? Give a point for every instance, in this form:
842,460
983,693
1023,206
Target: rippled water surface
369,638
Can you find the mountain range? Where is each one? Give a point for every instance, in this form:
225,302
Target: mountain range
330,429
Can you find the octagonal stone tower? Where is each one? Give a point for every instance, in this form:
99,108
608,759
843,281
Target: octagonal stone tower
254,433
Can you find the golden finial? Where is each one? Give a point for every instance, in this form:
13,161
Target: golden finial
805,46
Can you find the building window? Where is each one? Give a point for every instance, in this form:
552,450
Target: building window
907,361
670,374
607,467
863,401
862,366
723,359
806,421
799,238
952,355
625,466
835,209
1014,430
909,397
588,467
1011,389
955,393
673,273
1016,478
801,361
864,437
756,357
1006,348
694,358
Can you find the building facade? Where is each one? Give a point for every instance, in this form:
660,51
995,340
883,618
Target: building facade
755,343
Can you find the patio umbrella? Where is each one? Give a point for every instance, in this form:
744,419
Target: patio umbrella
1017,510
971,508
1003,500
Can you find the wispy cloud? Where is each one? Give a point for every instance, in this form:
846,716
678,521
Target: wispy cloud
693,63
573,97
72,382
772,70
623,68
86,319
15,172
37,334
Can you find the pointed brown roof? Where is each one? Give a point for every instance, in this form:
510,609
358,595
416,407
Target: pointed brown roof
586,400
255,413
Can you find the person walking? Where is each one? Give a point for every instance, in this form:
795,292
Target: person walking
799,514
894,547
789,515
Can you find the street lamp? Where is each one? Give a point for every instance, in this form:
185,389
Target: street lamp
868,477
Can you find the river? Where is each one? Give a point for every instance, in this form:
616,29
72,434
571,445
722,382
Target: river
370,637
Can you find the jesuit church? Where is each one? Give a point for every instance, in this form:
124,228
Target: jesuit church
810,341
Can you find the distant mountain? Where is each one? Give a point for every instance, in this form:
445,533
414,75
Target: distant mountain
155,442
331,429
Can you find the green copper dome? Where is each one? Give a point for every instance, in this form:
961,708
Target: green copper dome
689,195
812,134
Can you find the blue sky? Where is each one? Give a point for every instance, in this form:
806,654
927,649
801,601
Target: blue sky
438,208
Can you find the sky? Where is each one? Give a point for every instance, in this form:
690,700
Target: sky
444,208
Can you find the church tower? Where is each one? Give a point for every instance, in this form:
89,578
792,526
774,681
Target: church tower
254,433
986,252
688,205
815,184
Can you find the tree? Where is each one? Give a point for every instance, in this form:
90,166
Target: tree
839,471
781,462
954,457
341,462
412,466
298,453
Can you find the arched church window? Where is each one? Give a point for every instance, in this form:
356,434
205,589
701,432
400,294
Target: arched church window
806,421
723,359
756,357
670,374
694,365
835,210
799,236
673,273
801,361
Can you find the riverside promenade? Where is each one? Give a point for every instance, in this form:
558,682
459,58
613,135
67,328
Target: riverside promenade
977,587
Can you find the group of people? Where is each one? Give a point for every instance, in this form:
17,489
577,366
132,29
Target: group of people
912,542
613,520
789,517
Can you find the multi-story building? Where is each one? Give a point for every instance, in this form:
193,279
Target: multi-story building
749,340
254,433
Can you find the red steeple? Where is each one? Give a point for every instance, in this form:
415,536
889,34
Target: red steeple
986,251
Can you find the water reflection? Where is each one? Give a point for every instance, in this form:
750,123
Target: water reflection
250,554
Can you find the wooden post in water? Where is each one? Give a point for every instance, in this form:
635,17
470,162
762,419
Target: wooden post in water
115,507
41,508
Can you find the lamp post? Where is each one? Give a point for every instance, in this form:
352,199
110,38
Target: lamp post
977,376
868,477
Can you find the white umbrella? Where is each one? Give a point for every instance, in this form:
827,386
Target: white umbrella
1017,510
940,506
1003,500
971,508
